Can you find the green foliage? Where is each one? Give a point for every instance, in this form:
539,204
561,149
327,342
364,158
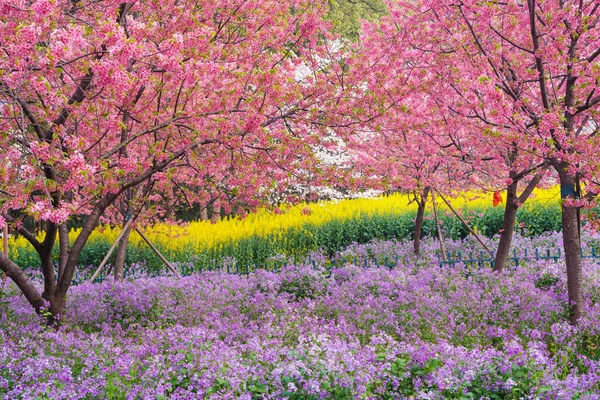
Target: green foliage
538,220
574,351
346,15
546,281
517,383
300,287
406,373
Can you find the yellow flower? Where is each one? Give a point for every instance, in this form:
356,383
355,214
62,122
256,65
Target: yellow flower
197,237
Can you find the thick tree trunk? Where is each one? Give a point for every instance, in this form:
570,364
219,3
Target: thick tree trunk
421,202
508,227
119,263
58,306
572,248
571,243
418,229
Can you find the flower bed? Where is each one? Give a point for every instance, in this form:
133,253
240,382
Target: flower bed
421,331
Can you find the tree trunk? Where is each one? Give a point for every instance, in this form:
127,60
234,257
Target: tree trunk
58,306
421,202
12,270
508,227
513,202
215,215
204,214
119,263
572,248
572,244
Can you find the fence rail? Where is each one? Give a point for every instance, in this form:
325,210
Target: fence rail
482,261
471,259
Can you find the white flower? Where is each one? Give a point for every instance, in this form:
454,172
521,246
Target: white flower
510,383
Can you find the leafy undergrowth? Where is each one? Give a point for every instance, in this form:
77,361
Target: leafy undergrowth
413,331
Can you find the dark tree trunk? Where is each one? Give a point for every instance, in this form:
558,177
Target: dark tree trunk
119,263
51,302
513,203
421,202
14,272
58,306
572,245
572,249
508,227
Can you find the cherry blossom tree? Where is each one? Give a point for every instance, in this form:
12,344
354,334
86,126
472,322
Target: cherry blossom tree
431,106
394,154
497,163
408,143
114,103
528,74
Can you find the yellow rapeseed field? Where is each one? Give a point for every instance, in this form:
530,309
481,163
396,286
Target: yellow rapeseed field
205,234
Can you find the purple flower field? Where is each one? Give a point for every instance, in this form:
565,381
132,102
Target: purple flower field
415,331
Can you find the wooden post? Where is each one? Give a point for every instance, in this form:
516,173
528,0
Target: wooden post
467,225
155,250
439,229
110,251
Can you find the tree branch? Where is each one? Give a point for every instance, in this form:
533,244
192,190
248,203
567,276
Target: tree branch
530,186
26,234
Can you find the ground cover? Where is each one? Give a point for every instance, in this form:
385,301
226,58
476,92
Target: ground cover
296,230
312,331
